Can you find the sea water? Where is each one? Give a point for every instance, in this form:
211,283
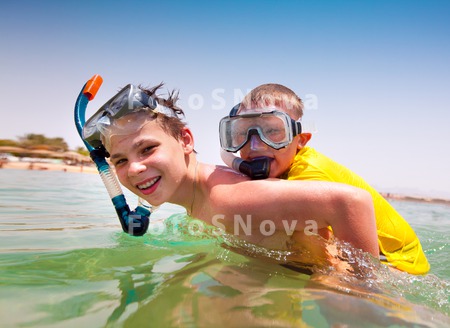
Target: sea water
64,262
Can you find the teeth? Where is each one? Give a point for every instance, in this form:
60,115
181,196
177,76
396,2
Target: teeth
148,184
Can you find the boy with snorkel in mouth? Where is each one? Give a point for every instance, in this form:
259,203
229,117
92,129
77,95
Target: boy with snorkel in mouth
266,124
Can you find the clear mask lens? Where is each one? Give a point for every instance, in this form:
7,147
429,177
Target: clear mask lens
274,128
125,125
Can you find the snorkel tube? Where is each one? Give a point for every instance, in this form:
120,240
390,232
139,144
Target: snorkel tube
257,169
134,222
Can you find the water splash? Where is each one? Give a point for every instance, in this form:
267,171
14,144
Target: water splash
365,274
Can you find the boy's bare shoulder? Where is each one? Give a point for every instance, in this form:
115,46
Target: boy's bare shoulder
217,175
223,186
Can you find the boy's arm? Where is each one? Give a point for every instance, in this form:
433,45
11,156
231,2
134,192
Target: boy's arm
348,210
355,221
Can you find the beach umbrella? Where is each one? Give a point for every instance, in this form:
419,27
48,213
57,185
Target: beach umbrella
43,153
12,149
72,155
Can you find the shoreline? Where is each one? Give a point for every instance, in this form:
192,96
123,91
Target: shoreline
432,200
42,166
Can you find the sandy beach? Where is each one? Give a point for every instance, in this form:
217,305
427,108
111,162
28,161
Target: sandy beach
42,166
415,198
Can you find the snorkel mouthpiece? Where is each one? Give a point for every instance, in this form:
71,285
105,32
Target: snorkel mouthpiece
256,169
134,222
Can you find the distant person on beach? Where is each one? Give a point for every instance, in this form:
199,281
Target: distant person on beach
152,151
3,160
266,134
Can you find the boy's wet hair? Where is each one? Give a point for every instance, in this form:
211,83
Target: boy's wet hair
272,94
171,125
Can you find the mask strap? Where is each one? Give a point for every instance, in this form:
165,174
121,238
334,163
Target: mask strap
296,128
234,110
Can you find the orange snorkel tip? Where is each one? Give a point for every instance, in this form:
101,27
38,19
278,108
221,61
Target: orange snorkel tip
92,86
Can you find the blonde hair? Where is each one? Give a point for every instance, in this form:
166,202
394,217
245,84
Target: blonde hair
271,94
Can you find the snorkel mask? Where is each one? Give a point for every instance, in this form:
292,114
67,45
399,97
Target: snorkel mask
129,99
275,128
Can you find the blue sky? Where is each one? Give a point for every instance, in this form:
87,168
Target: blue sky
376,74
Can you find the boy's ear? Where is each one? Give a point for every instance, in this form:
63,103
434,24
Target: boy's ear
187,140
303,139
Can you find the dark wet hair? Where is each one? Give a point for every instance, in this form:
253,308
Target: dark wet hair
172,125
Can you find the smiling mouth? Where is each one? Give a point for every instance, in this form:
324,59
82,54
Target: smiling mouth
148,184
